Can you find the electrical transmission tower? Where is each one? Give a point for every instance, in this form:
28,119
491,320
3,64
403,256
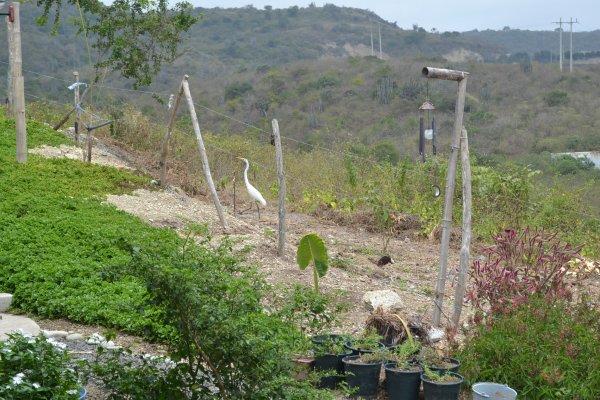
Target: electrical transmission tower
571,49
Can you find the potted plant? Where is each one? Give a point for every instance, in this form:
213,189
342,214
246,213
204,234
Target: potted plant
363,370
403,373
368,342
438,385
436,362
329,350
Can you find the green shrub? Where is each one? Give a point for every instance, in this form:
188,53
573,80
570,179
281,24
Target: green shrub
542,350
556,98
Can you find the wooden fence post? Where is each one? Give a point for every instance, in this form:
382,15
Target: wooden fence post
76,99
203,157
282,187
11,60
461,78
67,115
18,85
465,250
164,150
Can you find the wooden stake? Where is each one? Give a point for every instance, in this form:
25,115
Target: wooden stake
449,196
465,250
203,157
164,150
282,187
18,88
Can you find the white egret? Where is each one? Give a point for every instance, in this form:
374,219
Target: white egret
252,191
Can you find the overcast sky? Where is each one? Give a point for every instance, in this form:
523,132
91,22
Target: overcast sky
456,15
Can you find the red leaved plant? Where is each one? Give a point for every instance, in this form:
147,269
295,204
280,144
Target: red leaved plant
520,265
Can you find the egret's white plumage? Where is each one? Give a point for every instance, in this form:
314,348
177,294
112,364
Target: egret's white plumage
252,191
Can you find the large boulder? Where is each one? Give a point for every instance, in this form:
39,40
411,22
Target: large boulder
388,299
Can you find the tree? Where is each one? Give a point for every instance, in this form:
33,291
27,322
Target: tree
132,37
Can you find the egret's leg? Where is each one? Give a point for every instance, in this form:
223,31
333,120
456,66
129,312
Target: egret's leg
258,209
249,208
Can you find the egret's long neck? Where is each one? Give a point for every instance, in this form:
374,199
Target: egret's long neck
246,172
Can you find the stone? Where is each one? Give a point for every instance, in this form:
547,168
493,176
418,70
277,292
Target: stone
110,345
13,323
5,301
96,338
74,337
54,334
388,299
435,335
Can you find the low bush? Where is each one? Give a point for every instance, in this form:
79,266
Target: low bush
543,350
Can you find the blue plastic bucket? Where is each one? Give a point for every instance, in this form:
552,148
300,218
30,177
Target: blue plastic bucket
492,391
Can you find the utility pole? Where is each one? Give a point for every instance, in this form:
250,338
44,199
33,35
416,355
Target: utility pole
571,39
372,52
560,42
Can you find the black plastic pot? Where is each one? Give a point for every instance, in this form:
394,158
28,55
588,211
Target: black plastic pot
441,390
402,384
444,369
356,350
363,376
332,363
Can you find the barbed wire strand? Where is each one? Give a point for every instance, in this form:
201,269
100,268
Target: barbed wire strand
329,150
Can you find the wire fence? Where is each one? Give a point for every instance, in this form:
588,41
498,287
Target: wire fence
303,181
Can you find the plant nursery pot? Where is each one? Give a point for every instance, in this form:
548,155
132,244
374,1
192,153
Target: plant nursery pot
402,384
320,339
492,391
442,369
329,362
358,351
441,390
302,366
363,376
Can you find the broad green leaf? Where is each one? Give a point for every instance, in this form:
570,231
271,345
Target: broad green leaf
312,248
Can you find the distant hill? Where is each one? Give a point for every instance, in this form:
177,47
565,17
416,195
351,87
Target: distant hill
312,68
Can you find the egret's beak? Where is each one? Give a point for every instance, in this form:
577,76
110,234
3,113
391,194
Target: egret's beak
240,158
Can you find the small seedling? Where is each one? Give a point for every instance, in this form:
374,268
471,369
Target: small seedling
312,248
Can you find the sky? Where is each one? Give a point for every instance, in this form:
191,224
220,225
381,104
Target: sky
456,15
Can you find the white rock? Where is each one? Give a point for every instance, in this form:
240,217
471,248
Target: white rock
110,345
74,336
435,335
388,299
5,301
54,334
96,338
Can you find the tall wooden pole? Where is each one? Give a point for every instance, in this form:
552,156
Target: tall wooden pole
202,149
465,250
282,187
11,60
164,150
76,100
18,88
461,77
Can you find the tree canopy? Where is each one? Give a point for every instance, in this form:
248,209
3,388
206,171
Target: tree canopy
133,37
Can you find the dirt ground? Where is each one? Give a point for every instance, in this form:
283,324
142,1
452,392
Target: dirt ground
413,274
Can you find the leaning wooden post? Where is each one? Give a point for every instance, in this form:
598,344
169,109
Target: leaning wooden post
465,250
461,78
203,157
164,150
18,88
282,187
